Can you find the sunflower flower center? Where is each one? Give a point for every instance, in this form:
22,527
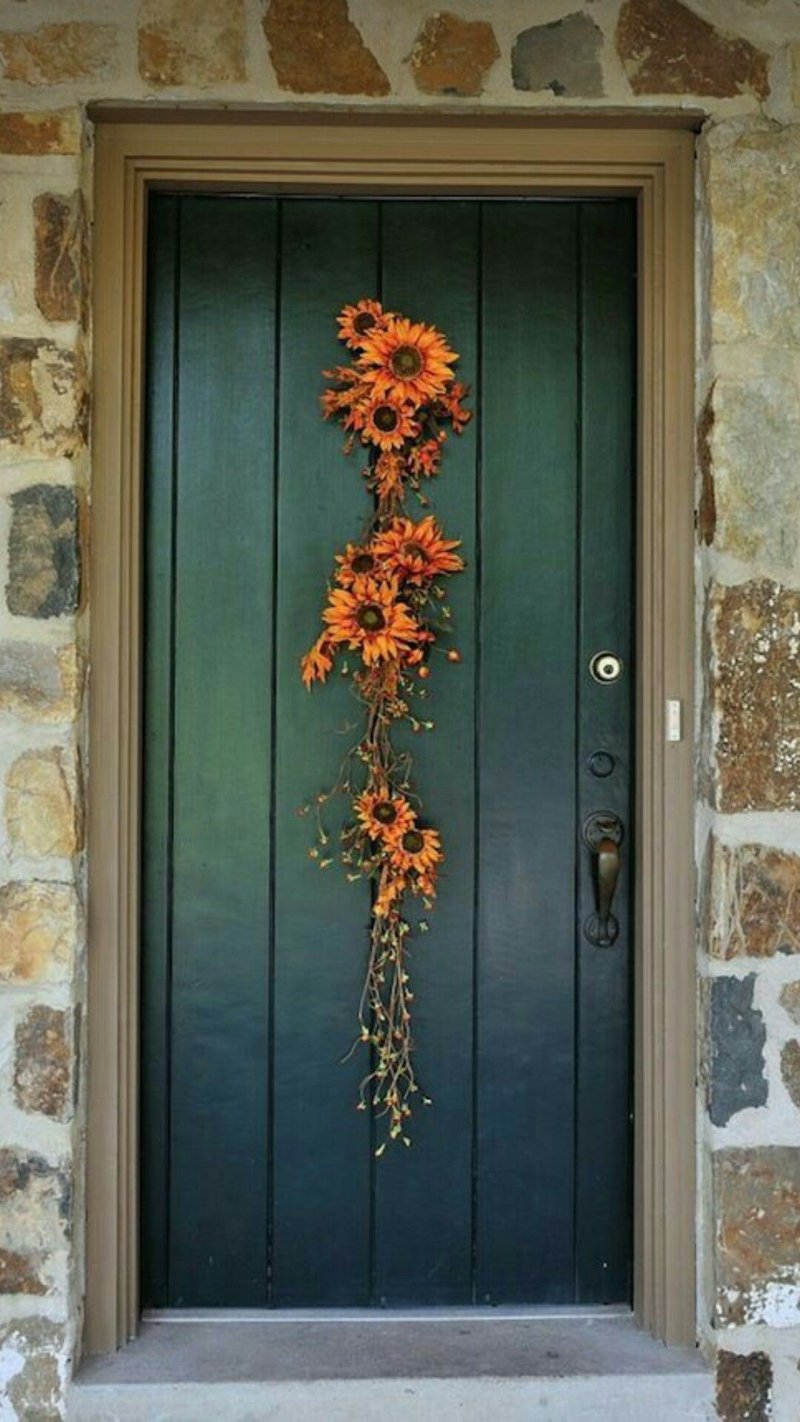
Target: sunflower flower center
363,322
385,812
363,563
406,362
414,550
386,418
413,841
370,618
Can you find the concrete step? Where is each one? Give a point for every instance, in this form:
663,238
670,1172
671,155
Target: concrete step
415,1369
683,1399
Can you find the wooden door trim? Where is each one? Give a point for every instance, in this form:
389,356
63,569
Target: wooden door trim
396,153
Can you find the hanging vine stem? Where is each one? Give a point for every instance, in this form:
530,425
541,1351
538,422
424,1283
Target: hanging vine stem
386,603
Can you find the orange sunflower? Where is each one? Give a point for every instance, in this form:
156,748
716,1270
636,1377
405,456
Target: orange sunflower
417,551
369,619
387,422
382,815
357,561
316,663
418,849
411,360
358,321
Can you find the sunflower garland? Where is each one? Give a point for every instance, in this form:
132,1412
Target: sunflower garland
387,605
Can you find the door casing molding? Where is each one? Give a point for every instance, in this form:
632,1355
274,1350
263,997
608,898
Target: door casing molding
424,153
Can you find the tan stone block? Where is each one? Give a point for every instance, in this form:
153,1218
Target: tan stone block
38,932
754,902
752,178
790,1000
40,132
19,187
666,48
31,1350
58,54
754,636
753,442
61,260
757,1208
43,1062
43,397
39,683
35,1209
453,56
31,1360
19,1274
316,49
198,42
41,804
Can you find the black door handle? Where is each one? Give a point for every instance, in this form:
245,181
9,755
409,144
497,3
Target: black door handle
602,835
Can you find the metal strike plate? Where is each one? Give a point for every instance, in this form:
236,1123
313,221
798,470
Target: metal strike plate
674,720
605,667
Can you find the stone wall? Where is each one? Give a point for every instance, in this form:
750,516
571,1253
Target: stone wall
738,61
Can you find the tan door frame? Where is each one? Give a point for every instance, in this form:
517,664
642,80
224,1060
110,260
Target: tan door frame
424,153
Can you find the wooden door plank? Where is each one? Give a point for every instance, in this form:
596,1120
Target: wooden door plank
423,1195
156,746
524,1225
603,1098
321,1199
222,752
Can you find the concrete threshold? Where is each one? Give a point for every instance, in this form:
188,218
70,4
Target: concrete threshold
574,1369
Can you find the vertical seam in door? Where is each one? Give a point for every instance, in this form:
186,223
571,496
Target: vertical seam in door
372,1259
476,685
273,688
579,431
173,566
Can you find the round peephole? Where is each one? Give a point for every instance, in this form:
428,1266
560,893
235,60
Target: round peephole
605,667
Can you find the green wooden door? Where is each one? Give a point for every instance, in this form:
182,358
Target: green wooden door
259,1181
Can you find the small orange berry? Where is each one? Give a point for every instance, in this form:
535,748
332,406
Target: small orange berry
424,672
453,655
